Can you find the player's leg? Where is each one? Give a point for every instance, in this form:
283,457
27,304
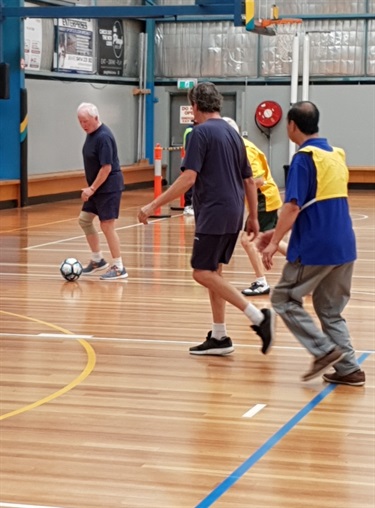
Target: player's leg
267,221
260,285
108,209
86,221
111,235
209,252
287,299
188,202
329,300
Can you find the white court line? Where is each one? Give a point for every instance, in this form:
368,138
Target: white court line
100,232
61,335
360,216
148,341
16,505
254,410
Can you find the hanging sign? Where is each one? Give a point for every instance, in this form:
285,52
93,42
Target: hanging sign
111,47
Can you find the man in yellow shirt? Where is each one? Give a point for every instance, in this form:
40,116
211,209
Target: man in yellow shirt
269,202
188,196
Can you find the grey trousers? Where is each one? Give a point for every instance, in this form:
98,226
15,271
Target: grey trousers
330,288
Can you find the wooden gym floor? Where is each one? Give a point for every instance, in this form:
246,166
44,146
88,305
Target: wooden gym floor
103,407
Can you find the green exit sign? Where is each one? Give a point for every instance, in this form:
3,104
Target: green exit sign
185,84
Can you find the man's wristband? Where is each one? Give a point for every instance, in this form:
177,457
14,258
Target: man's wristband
92,188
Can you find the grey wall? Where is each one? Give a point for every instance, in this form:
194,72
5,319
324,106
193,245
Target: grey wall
55,137
347,120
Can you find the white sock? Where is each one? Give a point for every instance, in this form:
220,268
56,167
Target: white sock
118,263
262,280
254,314
219,330
97,256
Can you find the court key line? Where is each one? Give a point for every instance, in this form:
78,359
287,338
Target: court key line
16,505
224,486
91,360
129,226
92,338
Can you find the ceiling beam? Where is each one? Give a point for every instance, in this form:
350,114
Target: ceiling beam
127,12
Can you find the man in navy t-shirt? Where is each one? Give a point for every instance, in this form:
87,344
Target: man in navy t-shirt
102,196
216,164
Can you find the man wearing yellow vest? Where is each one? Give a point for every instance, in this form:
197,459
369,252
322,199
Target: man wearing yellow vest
269,202
321,250
188,196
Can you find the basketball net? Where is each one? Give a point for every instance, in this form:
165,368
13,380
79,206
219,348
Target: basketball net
272,24
285,33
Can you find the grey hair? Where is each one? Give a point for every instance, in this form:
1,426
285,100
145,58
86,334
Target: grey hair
207,97
232,123
88,108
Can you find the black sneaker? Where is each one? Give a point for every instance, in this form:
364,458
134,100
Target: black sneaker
266,329
94,266
256,289
213,346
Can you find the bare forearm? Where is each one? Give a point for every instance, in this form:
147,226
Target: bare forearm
251,197
101,177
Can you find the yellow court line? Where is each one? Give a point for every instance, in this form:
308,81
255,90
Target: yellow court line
91,360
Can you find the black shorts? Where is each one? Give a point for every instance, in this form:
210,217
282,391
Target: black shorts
267,220
209,251
106,206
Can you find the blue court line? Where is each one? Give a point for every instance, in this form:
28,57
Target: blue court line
266,447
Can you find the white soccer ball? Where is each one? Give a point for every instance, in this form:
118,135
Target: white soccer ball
71,269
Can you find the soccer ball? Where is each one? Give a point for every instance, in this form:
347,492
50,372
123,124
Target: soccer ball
71,269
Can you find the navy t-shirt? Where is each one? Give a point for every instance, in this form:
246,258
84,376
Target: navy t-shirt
217,153
98,150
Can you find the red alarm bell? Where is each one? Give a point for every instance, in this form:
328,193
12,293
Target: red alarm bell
268,114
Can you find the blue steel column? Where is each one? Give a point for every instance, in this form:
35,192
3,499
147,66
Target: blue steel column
150,98
11,50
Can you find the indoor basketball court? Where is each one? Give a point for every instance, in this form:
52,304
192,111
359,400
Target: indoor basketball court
102,405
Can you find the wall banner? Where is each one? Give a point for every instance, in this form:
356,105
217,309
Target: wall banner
33,43
73,46
111,47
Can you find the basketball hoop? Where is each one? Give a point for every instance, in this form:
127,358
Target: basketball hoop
281,21
269,26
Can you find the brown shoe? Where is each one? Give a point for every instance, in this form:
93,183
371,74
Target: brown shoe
356,378
320,365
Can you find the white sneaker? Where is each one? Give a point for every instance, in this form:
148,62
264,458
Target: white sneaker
188,210
256,289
